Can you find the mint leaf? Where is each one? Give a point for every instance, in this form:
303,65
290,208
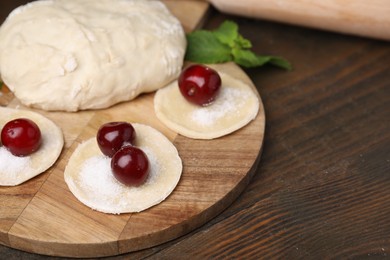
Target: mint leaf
280,62
249,59
226,44
243,43
204,47
227,33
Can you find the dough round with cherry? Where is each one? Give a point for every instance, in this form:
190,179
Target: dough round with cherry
15,170
235,106
90,178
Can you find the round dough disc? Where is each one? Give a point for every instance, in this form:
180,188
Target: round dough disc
89,176
74,55
235,106
20,169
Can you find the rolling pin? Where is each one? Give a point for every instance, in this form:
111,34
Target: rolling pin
368,18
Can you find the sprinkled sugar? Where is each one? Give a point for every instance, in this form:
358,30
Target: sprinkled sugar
96,175
228,101
12,165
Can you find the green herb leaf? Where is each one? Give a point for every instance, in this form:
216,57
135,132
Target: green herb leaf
226,44
249,59
280,62
243,43
204,47
227,33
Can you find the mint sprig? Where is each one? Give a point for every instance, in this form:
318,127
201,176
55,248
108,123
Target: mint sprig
226,44
204,47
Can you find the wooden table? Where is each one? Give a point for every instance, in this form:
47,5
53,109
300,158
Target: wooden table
321,189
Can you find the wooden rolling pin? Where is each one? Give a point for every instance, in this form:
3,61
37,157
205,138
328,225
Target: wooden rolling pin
369,18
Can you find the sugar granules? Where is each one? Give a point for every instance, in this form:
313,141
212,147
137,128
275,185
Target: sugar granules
96,174
228,101
12,165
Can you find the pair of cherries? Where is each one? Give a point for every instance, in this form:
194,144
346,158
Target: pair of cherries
129,164
21,136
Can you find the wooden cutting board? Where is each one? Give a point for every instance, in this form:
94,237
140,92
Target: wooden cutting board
43,216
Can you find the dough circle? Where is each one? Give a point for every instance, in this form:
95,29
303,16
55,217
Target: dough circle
90,179
20,169
235,106
74,55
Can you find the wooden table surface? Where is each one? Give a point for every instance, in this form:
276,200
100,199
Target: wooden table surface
322,187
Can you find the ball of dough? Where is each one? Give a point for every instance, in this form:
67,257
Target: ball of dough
74,55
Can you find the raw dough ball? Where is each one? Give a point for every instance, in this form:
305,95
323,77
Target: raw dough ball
73,55
236,105
15,170
89,176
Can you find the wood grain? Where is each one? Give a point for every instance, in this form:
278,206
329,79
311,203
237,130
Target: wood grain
42,216
191,13
359,17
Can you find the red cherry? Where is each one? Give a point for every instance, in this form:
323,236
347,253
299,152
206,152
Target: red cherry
199,84
112,136
130,166
21,136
